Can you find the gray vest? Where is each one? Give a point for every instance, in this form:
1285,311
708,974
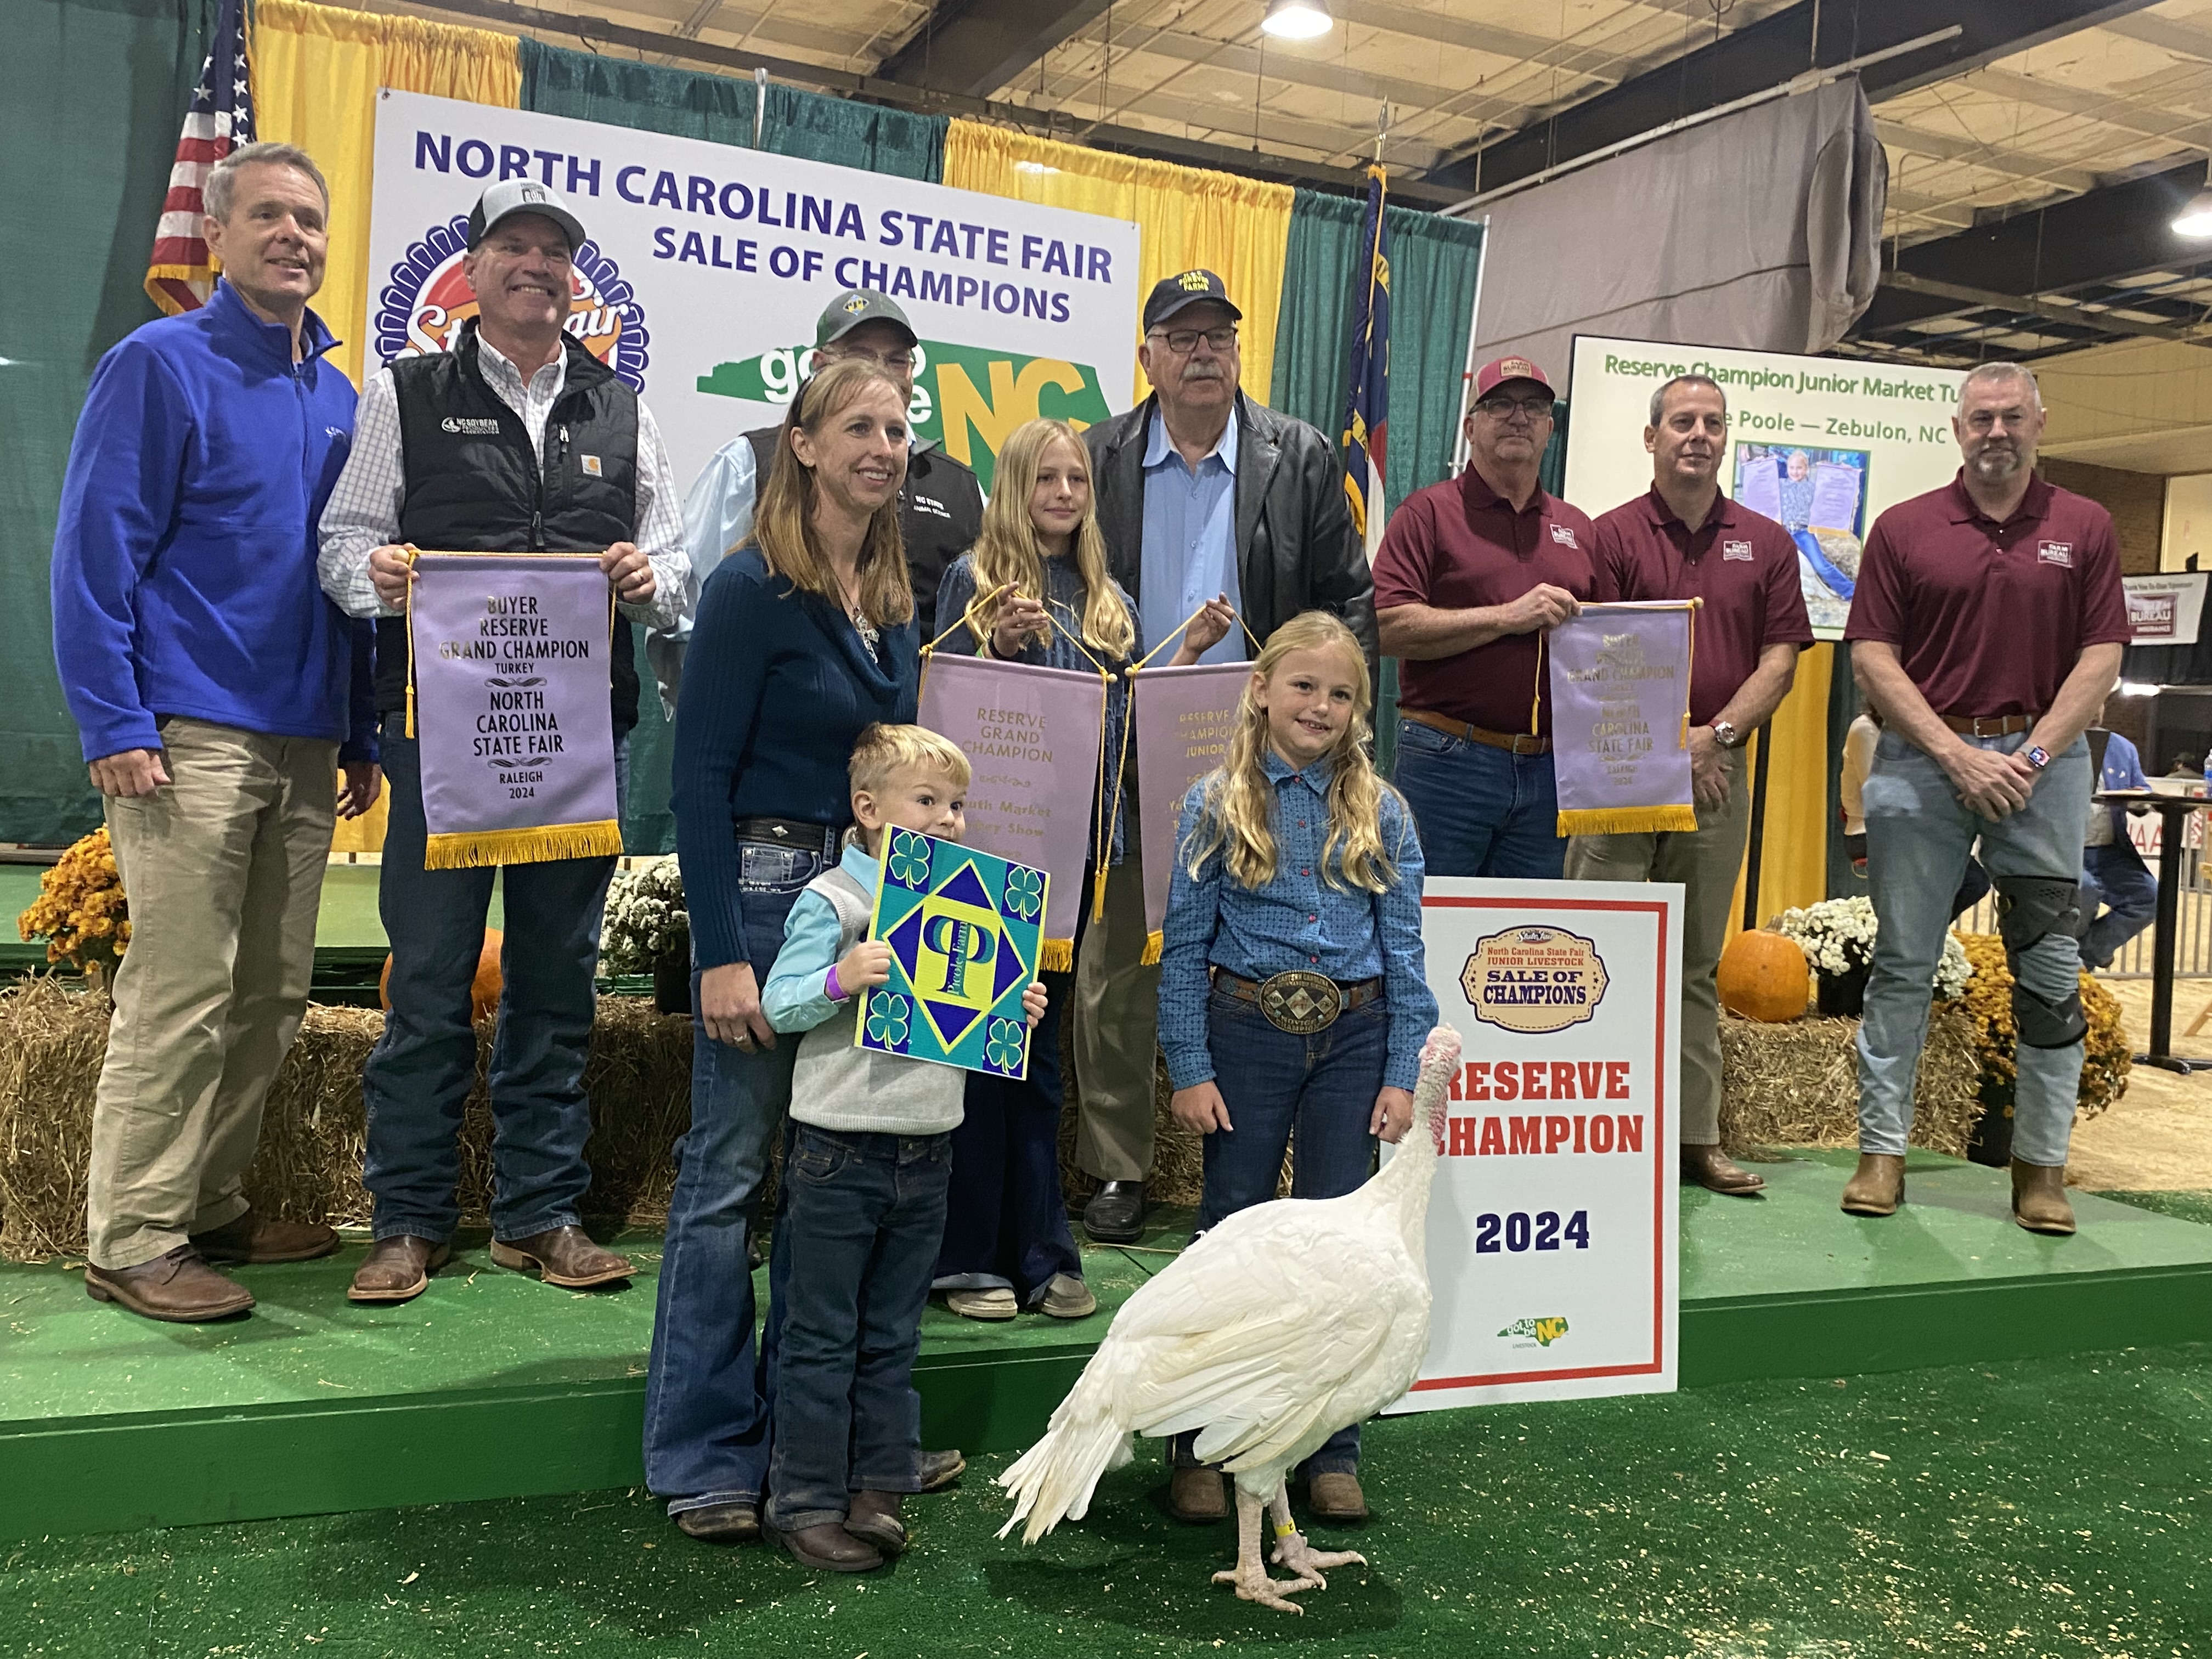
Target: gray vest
836,1085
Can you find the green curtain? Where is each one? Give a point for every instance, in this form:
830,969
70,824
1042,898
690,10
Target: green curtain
651,97
719,108
863,136
102,84
1433,263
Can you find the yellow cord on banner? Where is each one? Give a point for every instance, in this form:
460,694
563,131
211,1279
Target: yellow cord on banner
1536,698
1121,775
1689,671
1177,631
410,641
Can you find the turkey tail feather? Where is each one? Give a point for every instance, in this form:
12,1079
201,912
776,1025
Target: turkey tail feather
1054,1479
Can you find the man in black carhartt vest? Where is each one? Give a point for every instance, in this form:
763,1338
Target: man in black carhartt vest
514,439
941,503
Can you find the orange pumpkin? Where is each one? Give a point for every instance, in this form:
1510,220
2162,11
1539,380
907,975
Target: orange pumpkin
1763,977
484,991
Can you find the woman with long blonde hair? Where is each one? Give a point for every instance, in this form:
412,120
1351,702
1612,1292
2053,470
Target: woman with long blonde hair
805,636
1294,995
1034,589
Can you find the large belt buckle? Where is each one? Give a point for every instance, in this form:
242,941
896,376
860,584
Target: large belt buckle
1301,1002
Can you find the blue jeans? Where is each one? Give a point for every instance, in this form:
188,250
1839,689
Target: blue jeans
1918,837
860,1225
1315,1094
1482,812
705,1395
1006,1221
2115,875
421,1071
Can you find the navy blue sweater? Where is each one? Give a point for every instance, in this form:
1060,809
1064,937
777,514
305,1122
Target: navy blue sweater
776,687
184,572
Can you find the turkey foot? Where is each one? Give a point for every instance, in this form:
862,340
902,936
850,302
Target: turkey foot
1250,1576
1292,1551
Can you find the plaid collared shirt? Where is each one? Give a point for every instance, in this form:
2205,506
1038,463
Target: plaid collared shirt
363,513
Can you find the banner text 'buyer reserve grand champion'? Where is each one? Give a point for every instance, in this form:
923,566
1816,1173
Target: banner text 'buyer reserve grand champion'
707,265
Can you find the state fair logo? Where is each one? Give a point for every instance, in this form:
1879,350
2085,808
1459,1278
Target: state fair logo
1534,979
427,300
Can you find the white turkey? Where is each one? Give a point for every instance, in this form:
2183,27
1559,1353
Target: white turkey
1284,1323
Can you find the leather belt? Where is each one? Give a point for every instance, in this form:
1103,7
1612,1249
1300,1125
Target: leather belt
790,832
1990,726
1517,743
1300,1002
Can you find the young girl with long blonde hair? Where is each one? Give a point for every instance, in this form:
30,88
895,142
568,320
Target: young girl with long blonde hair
1034,589
1293,992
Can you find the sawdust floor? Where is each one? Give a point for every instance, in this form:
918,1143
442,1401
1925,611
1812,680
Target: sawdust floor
2159,1137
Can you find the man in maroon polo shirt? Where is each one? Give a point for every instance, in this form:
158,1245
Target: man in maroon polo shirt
1684,540
1987,628
1469,575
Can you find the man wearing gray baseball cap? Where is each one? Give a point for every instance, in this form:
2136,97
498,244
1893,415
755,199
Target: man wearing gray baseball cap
515,439
940,504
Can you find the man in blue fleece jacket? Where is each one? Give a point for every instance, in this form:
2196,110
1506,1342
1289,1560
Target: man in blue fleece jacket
213,686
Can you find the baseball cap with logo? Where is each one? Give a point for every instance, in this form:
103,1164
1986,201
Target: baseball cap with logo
512,196
854,306
1491,376
1171,294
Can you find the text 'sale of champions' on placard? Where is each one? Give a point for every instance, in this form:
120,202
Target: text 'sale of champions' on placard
963,928
1033,736
1551,1223
509,695
1179,723
1620,718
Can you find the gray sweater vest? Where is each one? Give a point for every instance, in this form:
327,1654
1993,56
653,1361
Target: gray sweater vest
836,1085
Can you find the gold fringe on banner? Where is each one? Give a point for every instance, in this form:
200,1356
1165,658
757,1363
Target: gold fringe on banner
1627,820
1154,944
474,849
1056,956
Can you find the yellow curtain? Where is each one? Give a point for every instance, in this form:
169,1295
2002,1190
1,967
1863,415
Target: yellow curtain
316,71
1792,866
1238,227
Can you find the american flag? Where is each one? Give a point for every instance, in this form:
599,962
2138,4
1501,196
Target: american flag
179,275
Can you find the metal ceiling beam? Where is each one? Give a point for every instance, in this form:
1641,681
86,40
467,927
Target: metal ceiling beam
1994,158
2113,109
974,47
1766,53
2104,322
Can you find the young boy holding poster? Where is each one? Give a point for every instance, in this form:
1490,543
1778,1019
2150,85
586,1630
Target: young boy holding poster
1298,893
866,1172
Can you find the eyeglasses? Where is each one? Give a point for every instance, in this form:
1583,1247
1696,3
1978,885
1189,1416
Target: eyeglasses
899,362
1184,341
1509,410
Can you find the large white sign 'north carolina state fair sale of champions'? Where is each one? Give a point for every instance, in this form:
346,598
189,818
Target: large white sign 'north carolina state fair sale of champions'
707,265
1552,1224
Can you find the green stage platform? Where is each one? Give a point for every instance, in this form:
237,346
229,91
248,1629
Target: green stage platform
491,1384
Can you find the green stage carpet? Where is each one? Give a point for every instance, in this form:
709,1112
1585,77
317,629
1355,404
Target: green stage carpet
2053,1506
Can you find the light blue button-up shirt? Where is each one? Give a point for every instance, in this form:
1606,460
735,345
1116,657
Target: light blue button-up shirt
1189,550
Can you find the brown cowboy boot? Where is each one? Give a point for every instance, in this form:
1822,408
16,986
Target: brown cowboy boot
251,1238
1715,1171
398,1269
1877,1188
2039,1198
564,1256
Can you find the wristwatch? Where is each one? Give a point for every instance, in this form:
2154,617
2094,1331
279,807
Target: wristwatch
2037,757
1725,734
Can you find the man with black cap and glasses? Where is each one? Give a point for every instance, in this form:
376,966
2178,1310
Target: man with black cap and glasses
940,504
515,440
1202,494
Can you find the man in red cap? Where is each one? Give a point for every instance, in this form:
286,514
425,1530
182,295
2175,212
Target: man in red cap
1470,572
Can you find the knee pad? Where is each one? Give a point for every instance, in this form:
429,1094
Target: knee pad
2041,1024
2031,908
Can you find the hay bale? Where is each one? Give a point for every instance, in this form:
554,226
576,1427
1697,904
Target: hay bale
1796,1084
53,1034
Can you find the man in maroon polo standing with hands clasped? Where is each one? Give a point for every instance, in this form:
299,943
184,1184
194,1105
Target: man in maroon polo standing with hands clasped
1683,539
1469,575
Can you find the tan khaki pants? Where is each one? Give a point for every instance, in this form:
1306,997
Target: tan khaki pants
224,870
1705,861
1117,1018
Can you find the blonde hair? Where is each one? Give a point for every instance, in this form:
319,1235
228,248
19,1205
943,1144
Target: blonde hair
783,521
881,750
1234,815
1008,552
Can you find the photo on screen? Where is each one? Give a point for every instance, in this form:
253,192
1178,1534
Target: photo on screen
1820,496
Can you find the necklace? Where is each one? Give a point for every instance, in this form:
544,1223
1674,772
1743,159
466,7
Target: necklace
857,616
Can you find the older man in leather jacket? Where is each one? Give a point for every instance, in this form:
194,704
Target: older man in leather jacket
1202,493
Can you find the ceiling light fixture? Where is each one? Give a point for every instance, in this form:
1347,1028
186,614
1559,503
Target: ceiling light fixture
1298,19
2196,219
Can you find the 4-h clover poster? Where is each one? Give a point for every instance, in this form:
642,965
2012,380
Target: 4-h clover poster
707,265
965,929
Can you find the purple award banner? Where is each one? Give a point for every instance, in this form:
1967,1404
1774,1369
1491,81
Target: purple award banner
509,672
1620,691
1179,721
1033,736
